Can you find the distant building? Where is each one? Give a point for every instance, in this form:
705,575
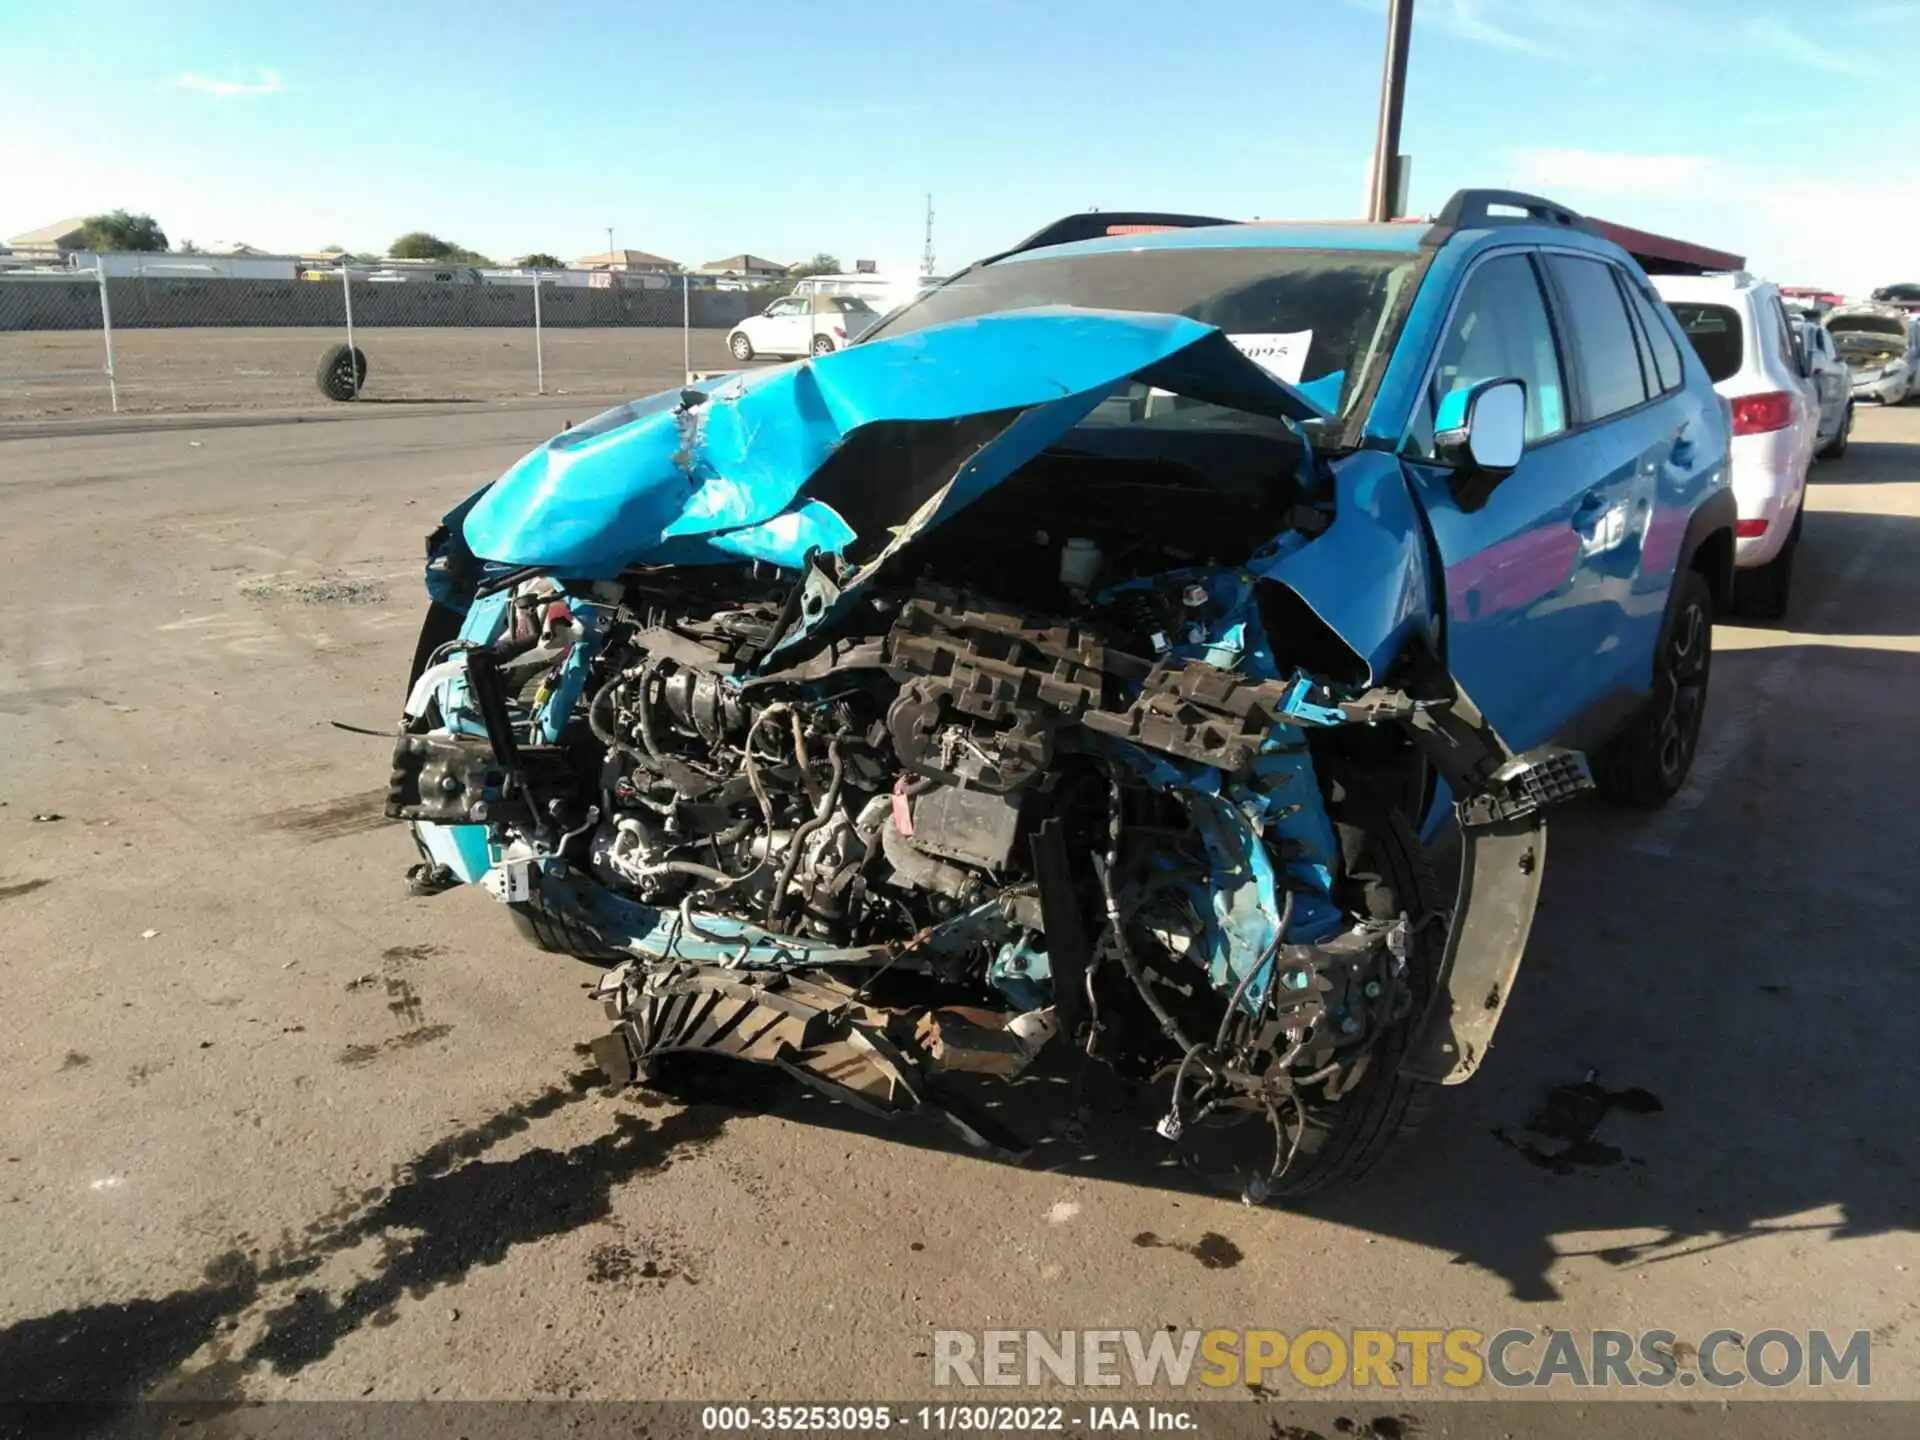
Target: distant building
745,267
49,242
638,262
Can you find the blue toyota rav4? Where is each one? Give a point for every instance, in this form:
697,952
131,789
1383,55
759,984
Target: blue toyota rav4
1080,666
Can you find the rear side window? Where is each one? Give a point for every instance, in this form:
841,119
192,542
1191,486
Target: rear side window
1666,354
1602,335
1717,337
1789,340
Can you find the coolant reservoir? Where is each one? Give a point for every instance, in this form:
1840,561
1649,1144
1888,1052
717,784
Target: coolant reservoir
1079,563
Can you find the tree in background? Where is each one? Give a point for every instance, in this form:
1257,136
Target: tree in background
541,260
186,247
821,264
420,245
117,230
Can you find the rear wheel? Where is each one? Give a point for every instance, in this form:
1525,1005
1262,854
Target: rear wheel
1647,762
823,344
1837,446
1760,593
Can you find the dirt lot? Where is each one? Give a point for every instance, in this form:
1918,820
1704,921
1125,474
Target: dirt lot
61,373
274,1130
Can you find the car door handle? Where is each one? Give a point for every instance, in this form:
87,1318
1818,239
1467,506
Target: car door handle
1682,452
1591,504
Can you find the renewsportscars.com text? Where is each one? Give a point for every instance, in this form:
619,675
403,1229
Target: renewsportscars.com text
1456,1358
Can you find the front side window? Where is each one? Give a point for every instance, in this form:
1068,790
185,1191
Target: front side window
1599,334
1499,330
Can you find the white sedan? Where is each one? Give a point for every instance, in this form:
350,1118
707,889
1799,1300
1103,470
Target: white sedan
1881,345
802,325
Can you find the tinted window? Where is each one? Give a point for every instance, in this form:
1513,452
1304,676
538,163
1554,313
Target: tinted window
1666,354
1788,339
1717,336
1602,336
1498,330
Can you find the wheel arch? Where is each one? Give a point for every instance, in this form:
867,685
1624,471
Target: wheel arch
1708,546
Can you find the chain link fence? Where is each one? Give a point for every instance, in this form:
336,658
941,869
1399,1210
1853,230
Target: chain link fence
161,338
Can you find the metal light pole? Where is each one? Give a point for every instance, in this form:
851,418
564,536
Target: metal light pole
609,247
1393,94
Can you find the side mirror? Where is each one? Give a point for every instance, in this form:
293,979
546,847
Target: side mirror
1483,427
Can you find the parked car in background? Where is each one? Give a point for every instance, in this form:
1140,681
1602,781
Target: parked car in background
1121,720
1752,350
1881,346
1904,297
797,325
1833,386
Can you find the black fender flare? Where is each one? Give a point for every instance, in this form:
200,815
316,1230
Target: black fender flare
1716,514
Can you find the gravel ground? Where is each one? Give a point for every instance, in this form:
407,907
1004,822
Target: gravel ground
273,1130
48,374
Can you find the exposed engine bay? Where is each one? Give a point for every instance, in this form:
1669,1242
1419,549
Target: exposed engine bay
899,770
1108,817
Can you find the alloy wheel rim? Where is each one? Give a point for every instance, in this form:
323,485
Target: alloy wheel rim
1685,662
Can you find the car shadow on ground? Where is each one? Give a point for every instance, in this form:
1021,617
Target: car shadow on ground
1749,1004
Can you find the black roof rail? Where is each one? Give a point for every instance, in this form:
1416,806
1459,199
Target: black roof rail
1473,209
1096,224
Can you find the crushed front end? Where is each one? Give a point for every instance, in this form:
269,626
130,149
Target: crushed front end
914,743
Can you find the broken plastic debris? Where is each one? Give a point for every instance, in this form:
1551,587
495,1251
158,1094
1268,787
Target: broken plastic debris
46,816
984,1042
148,934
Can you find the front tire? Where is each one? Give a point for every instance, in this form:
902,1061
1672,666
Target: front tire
1645,765
1386,872
739,346
558,932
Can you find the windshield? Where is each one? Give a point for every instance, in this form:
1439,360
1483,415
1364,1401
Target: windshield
1306,316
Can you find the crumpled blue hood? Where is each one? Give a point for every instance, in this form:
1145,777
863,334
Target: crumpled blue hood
691,477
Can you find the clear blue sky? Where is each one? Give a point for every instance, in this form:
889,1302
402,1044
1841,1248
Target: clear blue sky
702,130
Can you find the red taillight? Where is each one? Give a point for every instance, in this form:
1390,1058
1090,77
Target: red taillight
1749,529
1757,414
841,331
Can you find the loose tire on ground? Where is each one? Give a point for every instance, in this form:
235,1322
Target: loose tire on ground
1645,765
343,372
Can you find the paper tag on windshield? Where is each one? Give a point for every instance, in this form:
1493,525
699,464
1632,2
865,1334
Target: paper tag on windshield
1281,356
